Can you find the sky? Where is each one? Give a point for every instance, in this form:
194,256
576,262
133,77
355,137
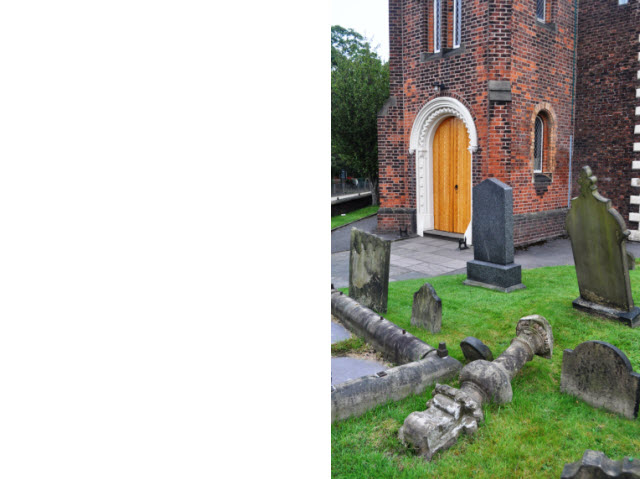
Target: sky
368,17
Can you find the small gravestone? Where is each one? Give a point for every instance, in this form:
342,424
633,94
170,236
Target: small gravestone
427,309
369,270
474,349
601,375
596,465
598,240
492,266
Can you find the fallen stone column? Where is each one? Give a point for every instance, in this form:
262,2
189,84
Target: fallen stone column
395,344
454,411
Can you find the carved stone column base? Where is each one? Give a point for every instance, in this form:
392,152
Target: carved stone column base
450,413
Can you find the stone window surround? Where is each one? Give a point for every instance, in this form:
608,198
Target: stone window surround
442,47
546,112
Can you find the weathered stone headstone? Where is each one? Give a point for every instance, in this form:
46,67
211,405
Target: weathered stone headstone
474,349
369,270
598,240
601,375
492,266
427,309
595,465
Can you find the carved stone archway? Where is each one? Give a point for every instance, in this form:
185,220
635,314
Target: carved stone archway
421,142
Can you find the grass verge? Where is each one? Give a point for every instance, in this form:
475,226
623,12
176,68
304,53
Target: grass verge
337,221
535,434
351,345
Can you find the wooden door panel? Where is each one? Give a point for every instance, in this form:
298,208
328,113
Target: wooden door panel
451,168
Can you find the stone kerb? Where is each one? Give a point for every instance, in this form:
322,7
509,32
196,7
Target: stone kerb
369,263
420,364
396,345
601,375
598,242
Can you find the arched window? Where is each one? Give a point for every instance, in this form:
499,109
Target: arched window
538,144
540,10
457,22
437,25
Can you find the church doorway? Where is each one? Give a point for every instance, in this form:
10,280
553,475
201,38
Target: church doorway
444,139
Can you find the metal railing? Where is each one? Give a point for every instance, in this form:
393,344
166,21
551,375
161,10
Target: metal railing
342,187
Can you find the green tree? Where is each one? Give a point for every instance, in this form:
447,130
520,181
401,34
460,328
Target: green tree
359,88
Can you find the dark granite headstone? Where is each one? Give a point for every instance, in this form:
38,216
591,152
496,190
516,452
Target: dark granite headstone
369,270
492,266
595,465
474,349
427,309
598,240
601,375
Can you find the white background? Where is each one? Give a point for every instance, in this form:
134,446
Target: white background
164,239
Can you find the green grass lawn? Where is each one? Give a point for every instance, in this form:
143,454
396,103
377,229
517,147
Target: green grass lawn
535,434
353,216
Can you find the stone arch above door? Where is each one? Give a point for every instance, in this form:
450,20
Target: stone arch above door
420,142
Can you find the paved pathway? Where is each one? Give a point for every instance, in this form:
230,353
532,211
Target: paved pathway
427,256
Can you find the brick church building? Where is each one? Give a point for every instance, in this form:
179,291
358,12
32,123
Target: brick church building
527,91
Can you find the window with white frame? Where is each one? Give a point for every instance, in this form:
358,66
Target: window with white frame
538,145
540,10
457,22
437,24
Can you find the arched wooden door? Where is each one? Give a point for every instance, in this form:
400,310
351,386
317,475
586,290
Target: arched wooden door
451,177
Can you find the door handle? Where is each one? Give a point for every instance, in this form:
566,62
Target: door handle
456,187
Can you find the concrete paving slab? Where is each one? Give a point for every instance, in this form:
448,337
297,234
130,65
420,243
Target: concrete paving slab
344,369
431,269
404,260
338,333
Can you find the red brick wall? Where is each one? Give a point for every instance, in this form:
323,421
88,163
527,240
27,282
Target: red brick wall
606,98
501,40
